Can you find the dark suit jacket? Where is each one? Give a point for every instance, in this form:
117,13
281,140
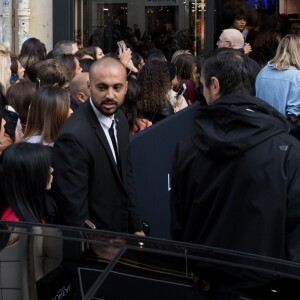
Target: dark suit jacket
87,183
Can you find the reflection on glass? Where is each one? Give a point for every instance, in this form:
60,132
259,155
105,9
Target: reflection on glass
44,262
103,23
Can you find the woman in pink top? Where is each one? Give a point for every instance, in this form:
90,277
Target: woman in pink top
25,176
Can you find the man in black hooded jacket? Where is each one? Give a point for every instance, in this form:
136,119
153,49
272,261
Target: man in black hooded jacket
236,177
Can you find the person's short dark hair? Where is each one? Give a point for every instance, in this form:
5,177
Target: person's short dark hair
86,64
63,47
90,50
52,72
172,70
155,54
69,61
33,69
50,54
284,23
235,71
158,33
136,58
14,64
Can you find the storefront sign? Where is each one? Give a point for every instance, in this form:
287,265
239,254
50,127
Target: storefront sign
161,2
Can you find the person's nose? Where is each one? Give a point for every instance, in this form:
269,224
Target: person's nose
110,93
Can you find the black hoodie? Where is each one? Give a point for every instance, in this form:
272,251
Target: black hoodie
233,124
236,180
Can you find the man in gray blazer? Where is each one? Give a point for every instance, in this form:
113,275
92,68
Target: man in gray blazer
92,176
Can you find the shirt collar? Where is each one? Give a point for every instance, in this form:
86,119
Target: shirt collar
104,120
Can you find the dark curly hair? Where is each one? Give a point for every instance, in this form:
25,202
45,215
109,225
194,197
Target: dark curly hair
155,81
237,9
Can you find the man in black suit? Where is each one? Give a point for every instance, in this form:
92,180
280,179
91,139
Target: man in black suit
93,178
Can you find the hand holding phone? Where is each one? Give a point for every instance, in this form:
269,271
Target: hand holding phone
122,45
181,90
11,118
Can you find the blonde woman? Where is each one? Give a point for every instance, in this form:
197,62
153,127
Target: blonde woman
5,76
5,71
278,83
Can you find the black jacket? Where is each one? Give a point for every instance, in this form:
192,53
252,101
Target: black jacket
160,113
236,180
87,183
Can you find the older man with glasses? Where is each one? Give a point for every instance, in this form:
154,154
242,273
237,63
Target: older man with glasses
233,38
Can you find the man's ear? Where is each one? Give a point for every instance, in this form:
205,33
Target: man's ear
81,97
215,86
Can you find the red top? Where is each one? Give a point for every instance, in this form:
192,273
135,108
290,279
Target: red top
190,93
9,215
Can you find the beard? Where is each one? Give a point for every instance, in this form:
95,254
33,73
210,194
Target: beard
107,107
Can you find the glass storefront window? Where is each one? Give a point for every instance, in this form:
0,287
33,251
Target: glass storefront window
170,26
57,262
197,20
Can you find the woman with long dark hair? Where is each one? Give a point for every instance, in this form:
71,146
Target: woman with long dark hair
32,50
133,107
49,109
25,176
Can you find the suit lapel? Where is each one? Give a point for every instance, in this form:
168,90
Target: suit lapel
102,138
121,145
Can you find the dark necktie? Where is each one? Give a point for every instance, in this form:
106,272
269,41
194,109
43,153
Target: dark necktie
111,132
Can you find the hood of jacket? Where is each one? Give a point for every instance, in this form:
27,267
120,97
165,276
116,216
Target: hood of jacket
235,123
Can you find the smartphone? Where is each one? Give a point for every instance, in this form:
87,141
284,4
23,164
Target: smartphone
37,83
88,224
122,45
146,227
11,118
14,78
182,89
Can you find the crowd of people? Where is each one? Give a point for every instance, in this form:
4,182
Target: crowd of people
67,116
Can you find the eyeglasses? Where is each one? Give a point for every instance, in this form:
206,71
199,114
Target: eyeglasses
220,41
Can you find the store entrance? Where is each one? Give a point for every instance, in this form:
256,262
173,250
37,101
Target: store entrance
180,24
107,24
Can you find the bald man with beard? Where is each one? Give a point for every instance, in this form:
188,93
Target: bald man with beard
93,173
